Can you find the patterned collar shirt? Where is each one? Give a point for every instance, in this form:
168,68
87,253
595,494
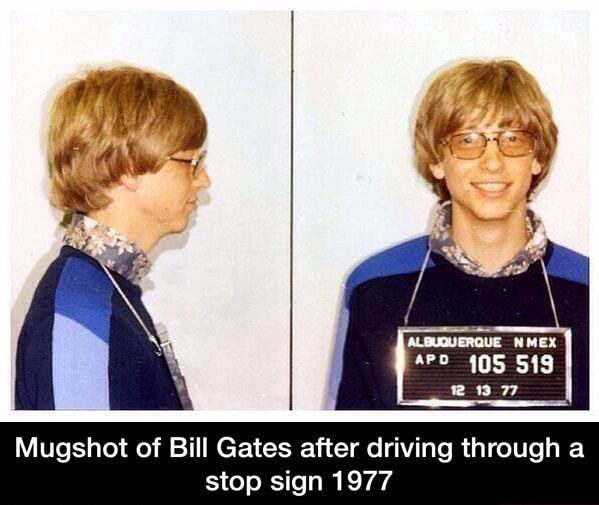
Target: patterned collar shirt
107,246
440,242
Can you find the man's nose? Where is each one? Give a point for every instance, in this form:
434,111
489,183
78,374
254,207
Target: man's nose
492,159
202,179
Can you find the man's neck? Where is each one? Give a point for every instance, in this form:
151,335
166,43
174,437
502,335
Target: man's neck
125,222
490,242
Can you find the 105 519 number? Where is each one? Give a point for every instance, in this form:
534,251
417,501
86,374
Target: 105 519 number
525,364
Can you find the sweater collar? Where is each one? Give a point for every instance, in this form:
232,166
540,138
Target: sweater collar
440,242
107,246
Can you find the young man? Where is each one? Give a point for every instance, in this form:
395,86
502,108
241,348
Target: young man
126,160
485,139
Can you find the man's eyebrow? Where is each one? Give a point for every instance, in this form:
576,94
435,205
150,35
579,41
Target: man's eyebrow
508,125
466,129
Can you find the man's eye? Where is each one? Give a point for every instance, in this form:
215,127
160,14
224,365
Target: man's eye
468,140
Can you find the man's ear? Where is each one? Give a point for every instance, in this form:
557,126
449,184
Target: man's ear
536,167
130,181
437,170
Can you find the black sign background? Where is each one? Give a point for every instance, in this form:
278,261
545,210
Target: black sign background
427,381
415,481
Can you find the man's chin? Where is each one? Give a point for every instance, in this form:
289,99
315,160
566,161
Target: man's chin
494,212
180,226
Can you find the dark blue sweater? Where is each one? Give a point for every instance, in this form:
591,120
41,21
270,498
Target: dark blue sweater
379,290
81,347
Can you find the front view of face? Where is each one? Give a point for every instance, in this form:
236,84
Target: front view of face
168,197
491,187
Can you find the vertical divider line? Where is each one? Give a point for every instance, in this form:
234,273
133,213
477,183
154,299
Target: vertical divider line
291,225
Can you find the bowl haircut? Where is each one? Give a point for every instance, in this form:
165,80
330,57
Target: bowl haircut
110,122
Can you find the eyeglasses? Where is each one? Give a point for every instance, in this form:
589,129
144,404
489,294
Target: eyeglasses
472,145
196,162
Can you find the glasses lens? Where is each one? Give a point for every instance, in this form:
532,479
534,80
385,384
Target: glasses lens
516,143
467,146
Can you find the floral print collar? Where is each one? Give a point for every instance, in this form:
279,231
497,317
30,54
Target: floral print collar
440,242
108,246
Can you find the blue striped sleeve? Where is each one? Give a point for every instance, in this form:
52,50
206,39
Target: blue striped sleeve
80,337
403,258
567,264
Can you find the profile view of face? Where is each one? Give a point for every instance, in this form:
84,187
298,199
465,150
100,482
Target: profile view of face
167,197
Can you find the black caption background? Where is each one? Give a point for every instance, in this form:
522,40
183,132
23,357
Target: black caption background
168,480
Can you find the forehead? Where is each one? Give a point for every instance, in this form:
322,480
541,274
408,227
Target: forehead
492,119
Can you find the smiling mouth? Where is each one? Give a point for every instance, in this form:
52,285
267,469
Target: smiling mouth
491,187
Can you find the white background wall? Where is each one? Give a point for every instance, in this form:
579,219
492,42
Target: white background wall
221,288
357,77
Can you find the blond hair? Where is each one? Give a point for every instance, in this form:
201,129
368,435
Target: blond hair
112,122
475,91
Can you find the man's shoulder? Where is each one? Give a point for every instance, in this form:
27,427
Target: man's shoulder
84,293
75,287
403,258
567,264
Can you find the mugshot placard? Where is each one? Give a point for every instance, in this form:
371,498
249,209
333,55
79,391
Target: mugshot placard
484,366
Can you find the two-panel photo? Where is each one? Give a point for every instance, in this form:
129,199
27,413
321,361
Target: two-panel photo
300,211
